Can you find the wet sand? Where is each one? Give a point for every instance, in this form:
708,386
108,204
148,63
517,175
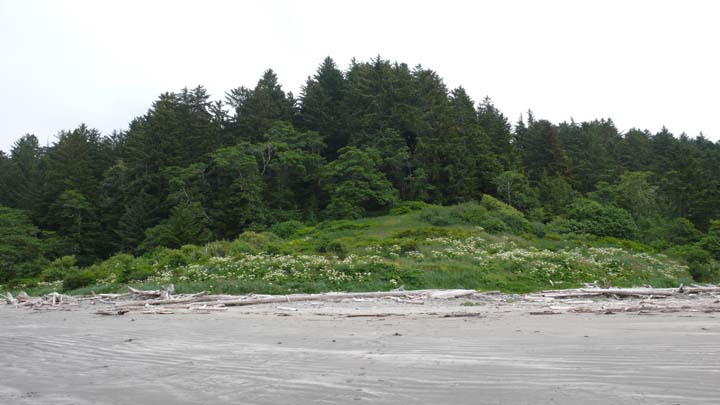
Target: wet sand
499,354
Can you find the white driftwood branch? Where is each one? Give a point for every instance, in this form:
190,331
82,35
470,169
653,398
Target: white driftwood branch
10,300
164,292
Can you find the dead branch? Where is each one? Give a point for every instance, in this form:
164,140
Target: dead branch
10,300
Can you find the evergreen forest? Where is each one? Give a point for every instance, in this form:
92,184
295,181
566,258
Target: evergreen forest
378,173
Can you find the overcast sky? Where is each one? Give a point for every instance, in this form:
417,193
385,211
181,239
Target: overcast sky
642,63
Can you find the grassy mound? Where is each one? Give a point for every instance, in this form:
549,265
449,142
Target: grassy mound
485,246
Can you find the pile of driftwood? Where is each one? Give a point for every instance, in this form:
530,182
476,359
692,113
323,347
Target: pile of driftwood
591,299
49,301
161,301
642,300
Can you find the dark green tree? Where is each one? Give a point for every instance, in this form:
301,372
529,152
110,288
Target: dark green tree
355,185
515,190
321,107
256,110
21,250
499,131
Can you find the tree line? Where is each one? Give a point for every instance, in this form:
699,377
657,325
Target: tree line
353,143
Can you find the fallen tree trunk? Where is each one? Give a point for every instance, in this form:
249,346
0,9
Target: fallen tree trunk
699,289
199,297
627,292
276,299
631,292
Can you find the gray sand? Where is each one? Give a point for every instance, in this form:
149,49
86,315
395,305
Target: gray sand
318,355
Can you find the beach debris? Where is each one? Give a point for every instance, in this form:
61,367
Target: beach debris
606,300
10,300
464,315
111,312
164,292
48,301
591,299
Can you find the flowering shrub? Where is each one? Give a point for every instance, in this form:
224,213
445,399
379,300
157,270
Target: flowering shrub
275,268
347,255
565,265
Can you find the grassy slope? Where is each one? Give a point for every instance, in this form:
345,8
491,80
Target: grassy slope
435,247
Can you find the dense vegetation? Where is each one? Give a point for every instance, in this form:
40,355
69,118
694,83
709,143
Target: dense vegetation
421,246
379,137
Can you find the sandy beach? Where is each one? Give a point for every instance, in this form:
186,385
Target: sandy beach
350,352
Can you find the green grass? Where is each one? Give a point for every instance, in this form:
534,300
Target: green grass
382,253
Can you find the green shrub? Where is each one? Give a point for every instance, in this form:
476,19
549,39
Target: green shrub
469,213
407,207
22,283
342,225
424,233
494,225
221,248
700,262
334,247
260,242
171,258
538,229
681,231
139,274
58,268
438,216
287,228
120,265
513,219
711,242
491,214
624,243
78,279
588,216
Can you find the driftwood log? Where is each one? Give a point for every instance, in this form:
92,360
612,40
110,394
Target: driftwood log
581,300
164,292
199,297
276,299
230,300
626,292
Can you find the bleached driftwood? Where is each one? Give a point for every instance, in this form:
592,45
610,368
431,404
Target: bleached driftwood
164,292
108,296
700,289
646,309
199,297
10,300
230,300
46,301
276,299
626,292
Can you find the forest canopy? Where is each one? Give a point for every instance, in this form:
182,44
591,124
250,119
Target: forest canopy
354,143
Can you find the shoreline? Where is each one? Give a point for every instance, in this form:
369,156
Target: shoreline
382,351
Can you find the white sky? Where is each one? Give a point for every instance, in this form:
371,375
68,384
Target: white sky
642,63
